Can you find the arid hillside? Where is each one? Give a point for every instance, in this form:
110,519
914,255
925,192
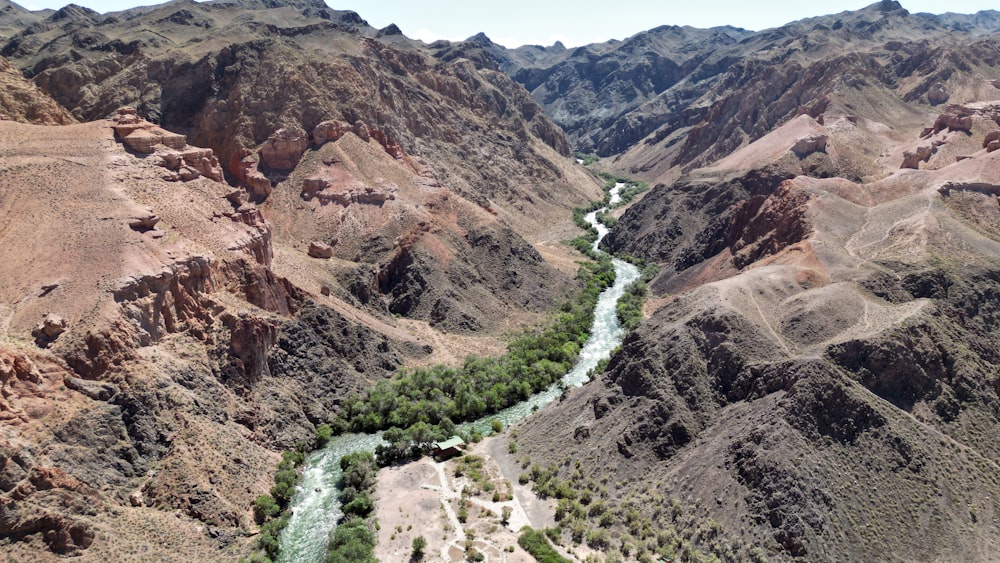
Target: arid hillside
222,219
816,378
263,209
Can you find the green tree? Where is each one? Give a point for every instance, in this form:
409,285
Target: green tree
419,543
266,508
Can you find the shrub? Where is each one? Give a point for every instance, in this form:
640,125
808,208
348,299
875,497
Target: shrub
419,543
265,508
352,542
323,435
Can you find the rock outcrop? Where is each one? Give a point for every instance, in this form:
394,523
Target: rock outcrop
283,149
320,250
49,329
912,159
185,162
807,145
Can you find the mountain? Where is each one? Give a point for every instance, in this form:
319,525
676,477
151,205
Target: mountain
268,205
263,208
816,377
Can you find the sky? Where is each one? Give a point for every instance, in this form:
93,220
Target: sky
543,22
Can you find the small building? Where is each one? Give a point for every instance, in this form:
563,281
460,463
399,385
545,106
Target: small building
449,448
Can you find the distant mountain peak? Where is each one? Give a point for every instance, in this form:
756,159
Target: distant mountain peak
480,38
885,6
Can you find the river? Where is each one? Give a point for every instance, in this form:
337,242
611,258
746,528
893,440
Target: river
315,506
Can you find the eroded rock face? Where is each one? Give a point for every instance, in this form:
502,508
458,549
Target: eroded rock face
185,162
807,145
20,100
284,148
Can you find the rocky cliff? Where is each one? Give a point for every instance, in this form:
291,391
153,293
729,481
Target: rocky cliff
21,100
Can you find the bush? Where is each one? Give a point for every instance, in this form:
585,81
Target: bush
323,435
599,539
419,543
265,508
352,542
361,505
629,307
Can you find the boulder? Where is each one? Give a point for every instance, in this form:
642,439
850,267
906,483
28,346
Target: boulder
283,149
937,94
143,221
808,145
320,250
913,159
49,329
993,146
329,131
991,137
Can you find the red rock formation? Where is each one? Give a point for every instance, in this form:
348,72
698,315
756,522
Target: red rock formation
185,162
320,250
329,131
284,148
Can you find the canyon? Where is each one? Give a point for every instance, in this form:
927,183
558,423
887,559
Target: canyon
223,219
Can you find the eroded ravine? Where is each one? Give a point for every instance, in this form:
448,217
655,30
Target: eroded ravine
315,506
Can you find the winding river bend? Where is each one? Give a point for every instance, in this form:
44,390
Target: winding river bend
315,506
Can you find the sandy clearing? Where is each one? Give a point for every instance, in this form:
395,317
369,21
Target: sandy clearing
423,498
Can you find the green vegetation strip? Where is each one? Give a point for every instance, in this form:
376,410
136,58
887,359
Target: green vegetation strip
271,511
353,541
629,307
535,543
422,405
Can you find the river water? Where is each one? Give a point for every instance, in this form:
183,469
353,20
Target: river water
315,507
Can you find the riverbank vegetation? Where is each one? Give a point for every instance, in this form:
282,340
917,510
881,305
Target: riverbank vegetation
423,405
629,307
271,510
536,544
630,188
353,541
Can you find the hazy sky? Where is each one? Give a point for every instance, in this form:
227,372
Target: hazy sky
516,22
